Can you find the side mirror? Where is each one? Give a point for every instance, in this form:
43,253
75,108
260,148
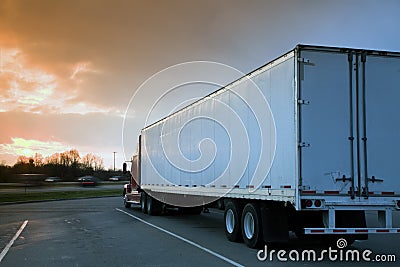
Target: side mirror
124,166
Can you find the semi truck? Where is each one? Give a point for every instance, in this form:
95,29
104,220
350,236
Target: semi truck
308,143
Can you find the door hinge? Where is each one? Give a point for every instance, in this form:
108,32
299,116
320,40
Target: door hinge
304,60
304,144
303,102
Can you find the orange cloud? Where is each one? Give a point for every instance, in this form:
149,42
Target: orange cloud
28,88
82,67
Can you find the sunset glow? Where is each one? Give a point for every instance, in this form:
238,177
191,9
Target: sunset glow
24,87
31,89
81,67
28,148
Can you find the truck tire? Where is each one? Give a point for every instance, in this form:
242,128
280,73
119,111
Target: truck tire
232,217
126,203
154,206
143,202
252,226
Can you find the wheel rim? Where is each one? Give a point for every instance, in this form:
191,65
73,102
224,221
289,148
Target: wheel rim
230,221
248,225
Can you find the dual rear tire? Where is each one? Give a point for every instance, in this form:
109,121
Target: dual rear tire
143,202
252,226
232,217
153,206
243,223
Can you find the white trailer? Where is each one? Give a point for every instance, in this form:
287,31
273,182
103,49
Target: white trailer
306,143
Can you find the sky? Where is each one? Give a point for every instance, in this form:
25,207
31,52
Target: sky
68,69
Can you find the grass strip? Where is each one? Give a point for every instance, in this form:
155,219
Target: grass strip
61,195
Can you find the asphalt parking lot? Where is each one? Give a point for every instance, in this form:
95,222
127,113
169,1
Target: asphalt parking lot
100,232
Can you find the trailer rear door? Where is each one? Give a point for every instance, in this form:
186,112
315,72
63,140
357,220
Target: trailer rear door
325,112
380,79
349,124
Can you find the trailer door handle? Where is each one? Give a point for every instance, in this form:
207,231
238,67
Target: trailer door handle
373,179
343,179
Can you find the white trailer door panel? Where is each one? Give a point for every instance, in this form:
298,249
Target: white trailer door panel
382,124
349,122
325,113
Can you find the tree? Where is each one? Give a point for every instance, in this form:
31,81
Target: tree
68,165
38,159
22,160
98,163
88,161
53,159
93,162
74,157
23,165
65,160
70,158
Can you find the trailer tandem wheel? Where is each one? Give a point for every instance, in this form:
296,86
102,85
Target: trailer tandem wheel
232,217
252,225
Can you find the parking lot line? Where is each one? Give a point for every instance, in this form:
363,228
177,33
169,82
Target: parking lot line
183,239
9,245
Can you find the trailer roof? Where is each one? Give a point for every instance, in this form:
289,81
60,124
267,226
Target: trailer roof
278,60
348,49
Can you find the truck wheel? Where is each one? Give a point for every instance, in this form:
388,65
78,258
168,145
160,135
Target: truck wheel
143,202
252,226
126,203
153,206
232,216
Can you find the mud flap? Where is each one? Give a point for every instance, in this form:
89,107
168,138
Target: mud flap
275,225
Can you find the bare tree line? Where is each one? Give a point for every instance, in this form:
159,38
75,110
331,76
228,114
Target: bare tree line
69,158
67,165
